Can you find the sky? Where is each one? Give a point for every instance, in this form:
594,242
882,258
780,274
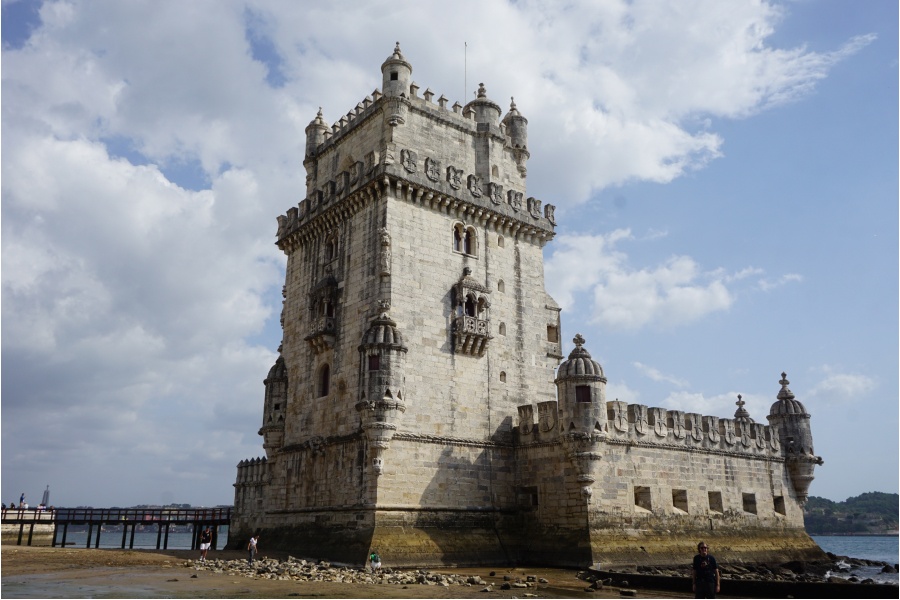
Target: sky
725,176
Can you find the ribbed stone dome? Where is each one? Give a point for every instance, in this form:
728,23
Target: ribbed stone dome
278,370
787,404
383,332
580,364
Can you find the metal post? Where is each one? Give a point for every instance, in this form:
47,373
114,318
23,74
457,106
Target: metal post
99,529
30,532
131,541
158,534
90,532
55,529
124,532
21,530
65,533
166,539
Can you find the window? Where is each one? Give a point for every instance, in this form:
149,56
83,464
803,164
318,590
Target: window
394,76
330,249
277,406
470,306
469,242
500,241
642,498
715,502
527,497
464,239
583,393
680,500
502,376
749,503
502,328
374,362
779,505
553,334
324,380
501,287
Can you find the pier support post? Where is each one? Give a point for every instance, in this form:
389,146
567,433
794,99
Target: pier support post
90,534
30,533
124,533
131,540
158,534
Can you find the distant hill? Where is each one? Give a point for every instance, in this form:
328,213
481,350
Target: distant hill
867,514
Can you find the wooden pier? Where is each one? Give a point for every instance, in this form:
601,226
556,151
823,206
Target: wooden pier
163,518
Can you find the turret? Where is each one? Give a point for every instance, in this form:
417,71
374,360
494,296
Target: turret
517,136
581,393
483,108
272,428
396,73
581,390
789,416
381,405
315,134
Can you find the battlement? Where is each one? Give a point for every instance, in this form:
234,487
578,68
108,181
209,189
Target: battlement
654,426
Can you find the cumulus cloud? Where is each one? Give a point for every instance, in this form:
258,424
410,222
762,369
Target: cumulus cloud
719,405
840,388
676,292
657,375
149,145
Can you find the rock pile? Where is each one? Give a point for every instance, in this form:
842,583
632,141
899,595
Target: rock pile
302,570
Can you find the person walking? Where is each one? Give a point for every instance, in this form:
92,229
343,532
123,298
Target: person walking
705,573
252,548
205,542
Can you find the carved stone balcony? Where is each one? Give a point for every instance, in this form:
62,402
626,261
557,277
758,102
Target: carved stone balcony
471,335
322,334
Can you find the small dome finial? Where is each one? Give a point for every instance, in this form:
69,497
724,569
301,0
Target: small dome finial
482,92
741,413
578,340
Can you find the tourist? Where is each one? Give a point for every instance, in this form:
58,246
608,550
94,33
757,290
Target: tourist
252,548
205,542
375,561
705,573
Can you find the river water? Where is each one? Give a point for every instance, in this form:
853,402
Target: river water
873,547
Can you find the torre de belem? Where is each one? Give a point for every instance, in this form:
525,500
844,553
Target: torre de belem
418,406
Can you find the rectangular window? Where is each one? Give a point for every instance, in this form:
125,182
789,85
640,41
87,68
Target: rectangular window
553,334
779,505
583,393
642,497
679,500
374,362
527,497
749,503
715,502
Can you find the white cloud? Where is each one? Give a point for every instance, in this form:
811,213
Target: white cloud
719,405
838,388
131,303
657,375
767,285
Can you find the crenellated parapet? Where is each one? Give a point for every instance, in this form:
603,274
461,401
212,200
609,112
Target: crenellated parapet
252,472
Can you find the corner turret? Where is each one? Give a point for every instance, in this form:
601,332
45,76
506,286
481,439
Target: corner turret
789,416
382,356
396,73
517,135
272,428
315,134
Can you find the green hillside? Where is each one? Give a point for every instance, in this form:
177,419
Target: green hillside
869,513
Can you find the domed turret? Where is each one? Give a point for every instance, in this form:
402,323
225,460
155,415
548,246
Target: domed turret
516,126
581,389
276,384
396,73
315,133
382,355
792,421
484,109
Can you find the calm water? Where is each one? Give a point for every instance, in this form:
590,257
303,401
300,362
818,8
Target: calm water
885,548
111,537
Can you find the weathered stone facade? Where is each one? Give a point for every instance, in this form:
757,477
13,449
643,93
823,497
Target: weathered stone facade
415,406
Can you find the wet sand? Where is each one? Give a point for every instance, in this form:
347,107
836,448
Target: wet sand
41,572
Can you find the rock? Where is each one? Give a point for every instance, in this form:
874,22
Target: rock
506,586
475,580
888,569
487,589
629,593
492,574
530,578
542,580
507,578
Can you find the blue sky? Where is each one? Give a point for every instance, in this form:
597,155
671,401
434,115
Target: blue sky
725,175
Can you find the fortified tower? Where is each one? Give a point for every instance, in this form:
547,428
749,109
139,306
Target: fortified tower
418,340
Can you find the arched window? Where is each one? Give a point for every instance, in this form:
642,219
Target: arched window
457,238
324,380
495,172
501,287
469,242
500,241
330,249
470,306
502,328
502,376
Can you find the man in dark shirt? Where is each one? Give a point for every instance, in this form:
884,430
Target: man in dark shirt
705,573
205,542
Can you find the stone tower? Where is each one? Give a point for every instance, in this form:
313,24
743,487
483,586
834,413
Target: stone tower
414,408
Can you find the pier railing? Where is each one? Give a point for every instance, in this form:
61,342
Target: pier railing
61,518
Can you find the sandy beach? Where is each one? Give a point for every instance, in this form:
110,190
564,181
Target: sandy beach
41,572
